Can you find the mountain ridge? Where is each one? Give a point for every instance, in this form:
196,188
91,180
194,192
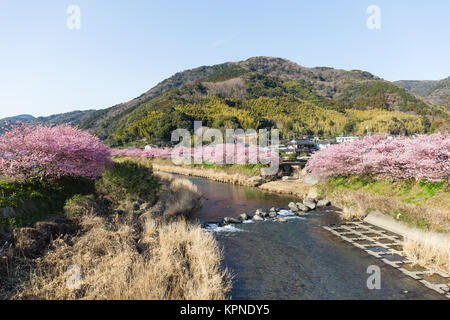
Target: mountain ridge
243,87
433,91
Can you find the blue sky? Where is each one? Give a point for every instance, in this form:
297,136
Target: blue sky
124,48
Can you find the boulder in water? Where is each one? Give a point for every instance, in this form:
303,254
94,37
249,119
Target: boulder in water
228,220
310,203
243,216
302,207
323,203
293,207
272,214
257,217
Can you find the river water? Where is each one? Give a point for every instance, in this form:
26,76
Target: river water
297,259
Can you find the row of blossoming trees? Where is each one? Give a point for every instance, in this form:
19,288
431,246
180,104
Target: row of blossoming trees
213,154
419,157
49,153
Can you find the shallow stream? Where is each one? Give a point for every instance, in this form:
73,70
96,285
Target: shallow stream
297,259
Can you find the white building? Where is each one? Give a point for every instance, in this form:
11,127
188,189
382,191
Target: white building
346,139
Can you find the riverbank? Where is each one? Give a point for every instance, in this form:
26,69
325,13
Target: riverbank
123,242
420,204
421,207
235,174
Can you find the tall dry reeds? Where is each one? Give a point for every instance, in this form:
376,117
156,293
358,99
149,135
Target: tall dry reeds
146,256
177,261
428,249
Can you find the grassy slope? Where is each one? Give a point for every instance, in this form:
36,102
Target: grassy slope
422,204
35,201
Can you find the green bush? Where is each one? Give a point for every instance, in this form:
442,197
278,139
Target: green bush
80,205
36,200
127,180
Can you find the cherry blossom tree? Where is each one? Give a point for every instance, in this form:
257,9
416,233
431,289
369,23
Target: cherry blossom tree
419,157
38,151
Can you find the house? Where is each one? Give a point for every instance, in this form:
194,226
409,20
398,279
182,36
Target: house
344,139
323,144
304,145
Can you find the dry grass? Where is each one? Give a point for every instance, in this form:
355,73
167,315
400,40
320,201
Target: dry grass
173,260
231,175
294,187
357,204
150,255
180,196
354,212
428,249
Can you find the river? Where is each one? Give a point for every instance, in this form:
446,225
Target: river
297,259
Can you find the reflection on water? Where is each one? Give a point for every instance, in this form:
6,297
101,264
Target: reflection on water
297,259
226,200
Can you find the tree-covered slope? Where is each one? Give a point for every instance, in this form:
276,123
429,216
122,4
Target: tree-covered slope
263,92
436,92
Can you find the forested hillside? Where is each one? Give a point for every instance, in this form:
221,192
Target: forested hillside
436,92
264,92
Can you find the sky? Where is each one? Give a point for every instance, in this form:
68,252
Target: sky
123,48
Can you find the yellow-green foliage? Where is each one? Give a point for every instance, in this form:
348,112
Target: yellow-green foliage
385,121
298,115
217,112
157,119
441,125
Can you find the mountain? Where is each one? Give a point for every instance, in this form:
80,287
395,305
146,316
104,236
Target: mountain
262,92
435,92
74,118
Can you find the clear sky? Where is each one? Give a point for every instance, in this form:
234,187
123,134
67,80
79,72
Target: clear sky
123,48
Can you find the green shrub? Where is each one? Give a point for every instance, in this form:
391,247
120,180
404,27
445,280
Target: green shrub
127,180
80,205
36,200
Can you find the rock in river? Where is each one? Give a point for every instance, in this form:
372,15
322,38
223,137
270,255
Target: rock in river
228,220
310,203
292,206
272,214
302,207
281,220
257,217
243,216
323,203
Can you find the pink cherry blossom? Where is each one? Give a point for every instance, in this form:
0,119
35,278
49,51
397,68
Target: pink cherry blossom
419,157
51,152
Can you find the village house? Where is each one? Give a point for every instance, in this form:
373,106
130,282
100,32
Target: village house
344,139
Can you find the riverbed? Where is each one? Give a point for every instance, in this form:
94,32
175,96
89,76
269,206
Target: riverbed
297,259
